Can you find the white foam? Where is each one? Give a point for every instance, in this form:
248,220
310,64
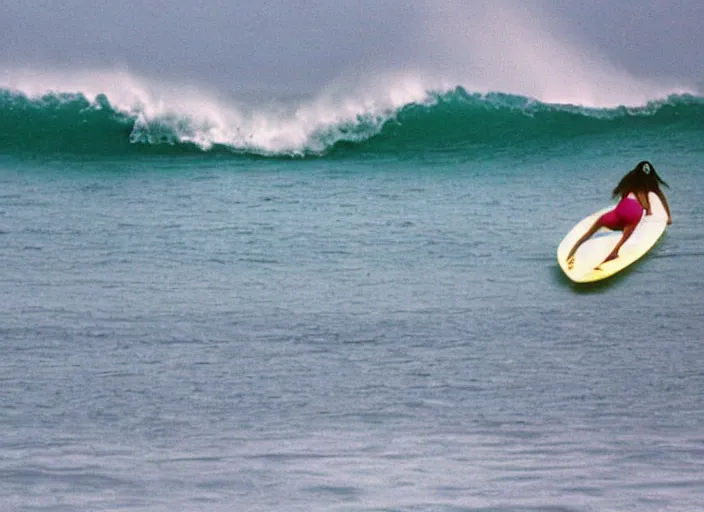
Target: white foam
190,114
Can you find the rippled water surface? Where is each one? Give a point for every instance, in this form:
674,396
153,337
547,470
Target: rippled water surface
212,334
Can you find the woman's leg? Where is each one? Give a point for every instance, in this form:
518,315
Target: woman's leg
627,232
595,227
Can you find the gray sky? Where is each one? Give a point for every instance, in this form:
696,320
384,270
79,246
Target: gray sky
297,46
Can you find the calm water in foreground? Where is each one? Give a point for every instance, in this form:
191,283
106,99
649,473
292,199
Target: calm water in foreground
356,334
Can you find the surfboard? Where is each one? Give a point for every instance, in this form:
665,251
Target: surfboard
593,251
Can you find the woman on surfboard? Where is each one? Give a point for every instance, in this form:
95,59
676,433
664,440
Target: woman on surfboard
633,192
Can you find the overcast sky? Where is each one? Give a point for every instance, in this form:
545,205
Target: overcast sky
301,45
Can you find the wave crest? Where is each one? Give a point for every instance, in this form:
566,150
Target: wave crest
405,118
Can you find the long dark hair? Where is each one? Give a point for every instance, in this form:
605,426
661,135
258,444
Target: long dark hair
642,178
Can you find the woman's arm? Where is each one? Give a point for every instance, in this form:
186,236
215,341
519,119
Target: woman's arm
662,197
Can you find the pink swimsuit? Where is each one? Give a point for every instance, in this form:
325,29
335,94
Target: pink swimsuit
628,212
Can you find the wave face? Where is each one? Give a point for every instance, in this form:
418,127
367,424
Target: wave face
455,120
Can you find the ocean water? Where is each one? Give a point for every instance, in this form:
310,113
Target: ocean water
352,312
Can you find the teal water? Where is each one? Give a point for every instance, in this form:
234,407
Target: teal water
367,322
